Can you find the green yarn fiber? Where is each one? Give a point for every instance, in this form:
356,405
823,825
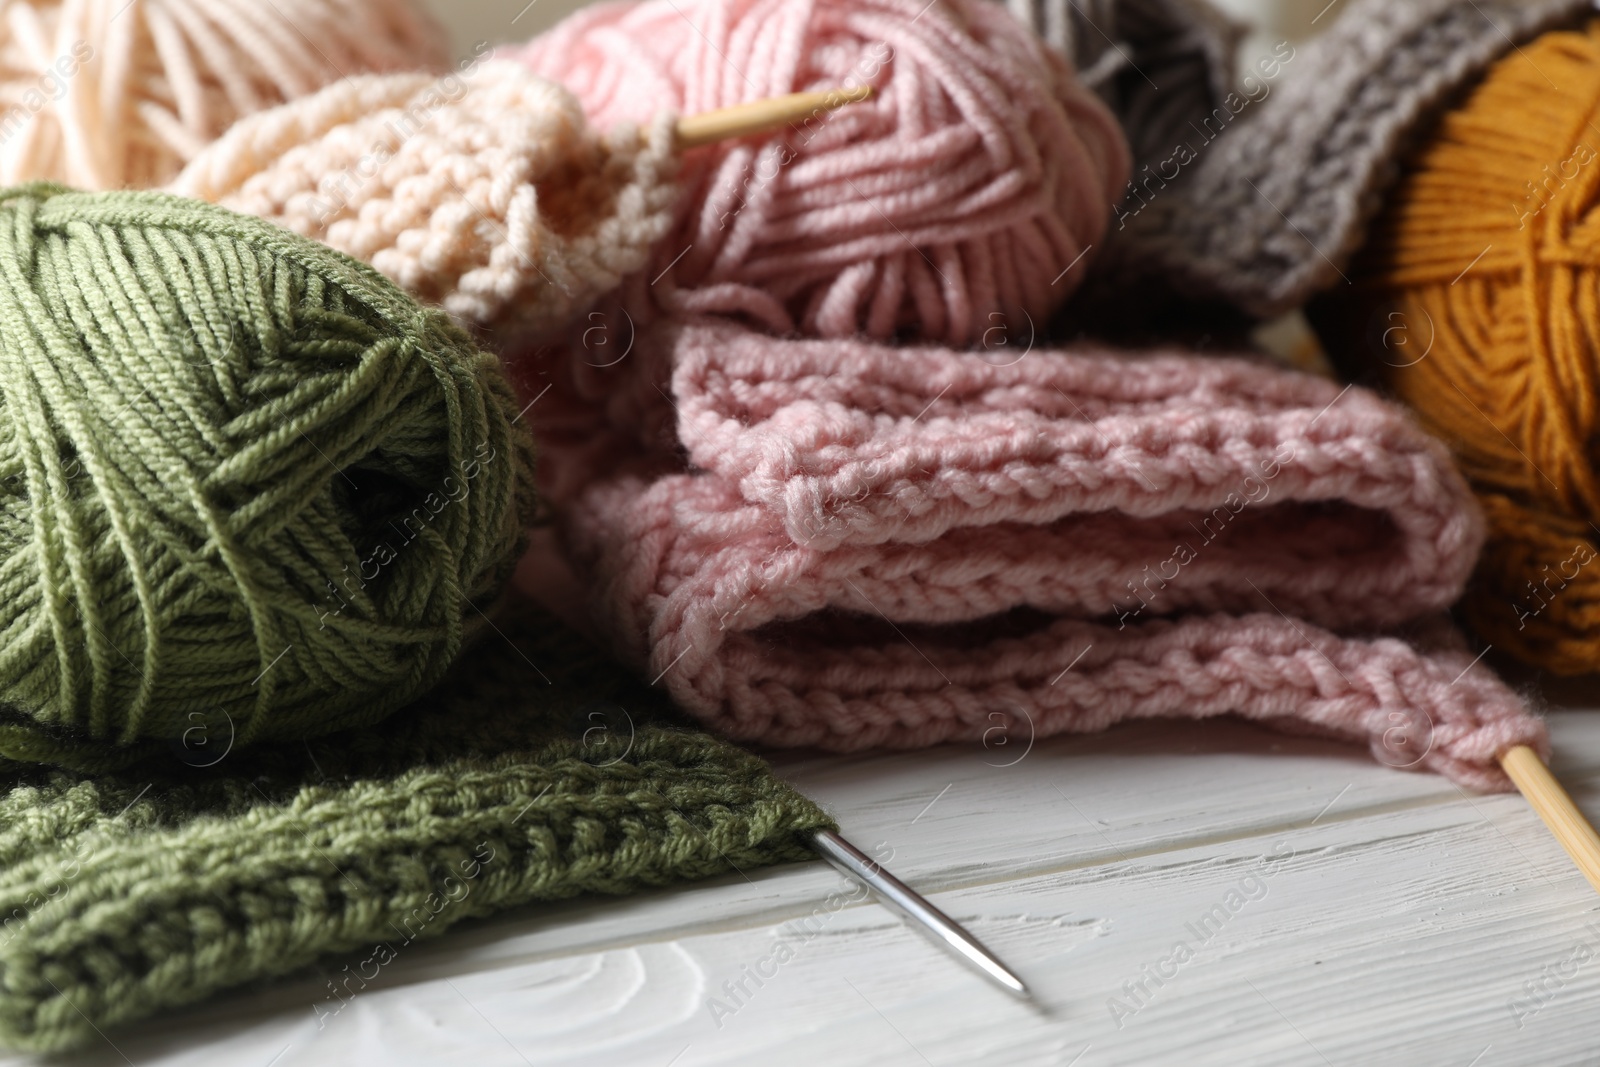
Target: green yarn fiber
242,477
519,779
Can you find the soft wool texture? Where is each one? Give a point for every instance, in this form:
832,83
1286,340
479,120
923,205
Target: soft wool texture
239,473
972,188
877,546
105,94
484,191
1272,210
1475,304
1159,64
527,779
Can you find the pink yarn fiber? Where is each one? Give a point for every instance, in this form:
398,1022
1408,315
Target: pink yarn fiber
859,545
968,193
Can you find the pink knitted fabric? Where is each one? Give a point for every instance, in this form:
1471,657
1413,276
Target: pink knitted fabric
860,545
969,191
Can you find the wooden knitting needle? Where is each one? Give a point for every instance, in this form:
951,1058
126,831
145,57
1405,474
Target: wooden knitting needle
760,116
929,920
1555,807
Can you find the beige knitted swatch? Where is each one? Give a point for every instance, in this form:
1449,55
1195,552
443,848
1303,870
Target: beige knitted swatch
484,191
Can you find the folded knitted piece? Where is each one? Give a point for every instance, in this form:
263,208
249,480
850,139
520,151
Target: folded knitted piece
1159,64
891,546
486,192
1273,207
537,775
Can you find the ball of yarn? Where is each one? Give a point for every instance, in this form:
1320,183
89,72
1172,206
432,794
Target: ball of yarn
1158,64
1477,305
485,191
969,193
106,94
245,482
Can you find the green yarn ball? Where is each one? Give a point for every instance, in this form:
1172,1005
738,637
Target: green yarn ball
247,486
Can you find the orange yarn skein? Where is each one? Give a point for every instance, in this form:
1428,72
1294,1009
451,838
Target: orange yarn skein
1478,303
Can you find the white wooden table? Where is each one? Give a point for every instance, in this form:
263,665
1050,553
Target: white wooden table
1375,916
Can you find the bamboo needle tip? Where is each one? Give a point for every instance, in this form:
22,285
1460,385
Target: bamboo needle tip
762,116
1572,830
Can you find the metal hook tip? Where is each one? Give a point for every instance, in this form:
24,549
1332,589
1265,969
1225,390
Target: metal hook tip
927,919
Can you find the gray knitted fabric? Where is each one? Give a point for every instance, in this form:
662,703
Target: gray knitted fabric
1274,207
1159,64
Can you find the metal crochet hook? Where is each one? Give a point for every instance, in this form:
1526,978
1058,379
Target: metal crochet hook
927,919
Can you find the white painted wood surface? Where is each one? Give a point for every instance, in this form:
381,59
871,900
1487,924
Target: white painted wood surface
1380,917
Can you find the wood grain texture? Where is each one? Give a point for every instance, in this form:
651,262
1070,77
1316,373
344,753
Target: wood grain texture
1333,911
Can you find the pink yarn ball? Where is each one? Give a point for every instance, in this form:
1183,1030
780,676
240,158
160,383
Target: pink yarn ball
966,195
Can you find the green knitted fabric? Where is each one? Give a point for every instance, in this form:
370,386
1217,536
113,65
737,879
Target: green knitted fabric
519,780
240,475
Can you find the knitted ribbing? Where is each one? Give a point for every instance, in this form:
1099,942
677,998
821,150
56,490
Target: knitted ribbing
1275,205
240,474
107,94
485,192
130,893
1159,64
888,546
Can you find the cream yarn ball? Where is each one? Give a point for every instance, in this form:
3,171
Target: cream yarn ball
104,94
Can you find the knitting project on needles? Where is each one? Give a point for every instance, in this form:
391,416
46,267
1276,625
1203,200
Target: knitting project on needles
865,545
